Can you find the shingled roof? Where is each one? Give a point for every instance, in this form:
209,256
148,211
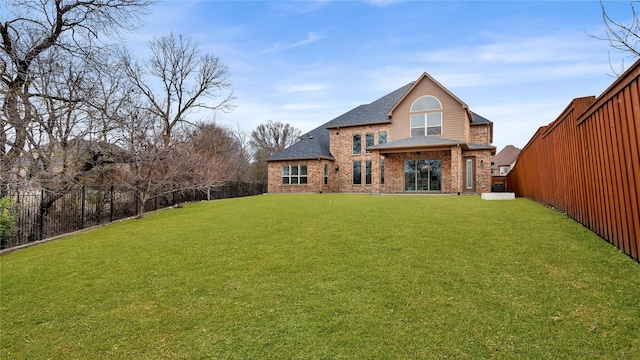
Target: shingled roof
477,119
507,156
315,143
312,145
374,113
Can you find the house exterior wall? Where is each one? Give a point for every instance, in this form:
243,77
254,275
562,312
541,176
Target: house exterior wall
480,134
315,177
342,150
455,121
482,169
394,169
456,169
340,180
456,125
467,126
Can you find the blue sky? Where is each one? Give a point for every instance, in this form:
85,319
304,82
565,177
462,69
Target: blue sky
517,63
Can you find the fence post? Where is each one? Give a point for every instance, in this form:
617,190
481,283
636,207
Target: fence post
135,194
82,207
41,214
111,205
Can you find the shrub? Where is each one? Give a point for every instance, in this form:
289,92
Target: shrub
8,219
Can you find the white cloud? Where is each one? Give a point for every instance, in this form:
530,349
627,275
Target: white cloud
311,38
309,87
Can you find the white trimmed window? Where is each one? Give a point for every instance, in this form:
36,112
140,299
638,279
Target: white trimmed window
294,175
426,116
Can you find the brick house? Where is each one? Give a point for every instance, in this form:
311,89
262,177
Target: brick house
418,138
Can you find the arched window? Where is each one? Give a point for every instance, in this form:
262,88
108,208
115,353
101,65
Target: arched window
426,116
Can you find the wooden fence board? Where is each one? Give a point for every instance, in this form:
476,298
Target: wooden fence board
586,163
620,175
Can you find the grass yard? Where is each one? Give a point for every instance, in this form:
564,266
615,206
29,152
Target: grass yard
328,276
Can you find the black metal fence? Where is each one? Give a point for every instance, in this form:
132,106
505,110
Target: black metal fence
43,214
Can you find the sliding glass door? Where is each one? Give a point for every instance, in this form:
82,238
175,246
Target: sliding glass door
422,175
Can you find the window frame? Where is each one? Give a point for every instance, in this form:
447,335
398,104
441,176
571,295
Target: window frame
356,140
297,174
368,142
421,113
356,180
368,171
380,138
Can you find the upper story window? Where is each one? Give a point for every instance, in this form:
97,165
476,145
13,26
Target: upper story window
357,144
368,142
426,116
382,137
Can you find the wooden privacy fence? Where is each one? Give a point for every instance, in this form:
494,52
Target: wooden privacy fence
586,163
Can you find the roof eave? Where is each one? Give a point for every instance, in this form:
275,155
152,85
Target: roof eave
361,124
431,147
401,148
321,157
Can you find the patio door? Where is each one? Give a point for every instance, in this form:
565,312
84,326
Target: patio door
422,175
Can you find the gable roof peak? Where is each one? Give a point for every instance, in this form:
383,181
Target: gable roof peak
425,75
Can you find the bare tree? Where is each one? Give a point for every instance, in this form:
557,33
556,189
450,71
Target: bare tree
151,167
268,139
38,39
200,159
623,37
217,154
174,82
189,80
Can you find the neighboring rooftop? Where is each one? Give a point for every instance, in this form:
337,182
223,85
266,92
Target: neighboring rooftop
506,157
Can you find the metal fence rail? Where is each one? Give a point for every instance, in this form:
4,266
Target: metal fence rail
586,163
43,214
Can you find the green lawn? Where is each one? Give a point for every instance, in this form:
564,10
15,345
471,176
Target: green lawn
325,277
